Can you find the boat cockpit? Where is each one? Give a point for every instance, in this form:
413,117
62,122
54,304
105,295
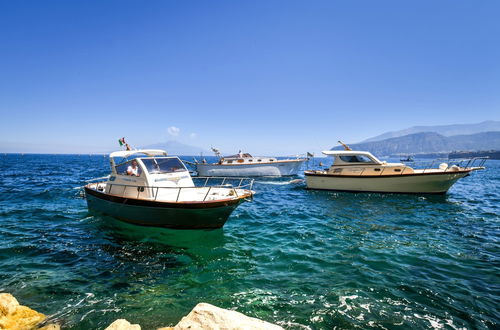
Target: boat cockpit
348,162
356,159
149,168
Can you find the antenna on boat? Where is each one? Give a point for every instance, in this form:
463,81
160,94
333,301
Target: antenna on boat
216,151
309,156
346,147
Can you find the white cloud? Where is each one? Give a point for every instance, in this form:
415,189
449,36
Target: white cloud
174,131
193,136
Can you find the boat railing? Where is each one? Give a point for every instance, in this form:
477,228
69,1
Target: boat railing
463,164
473,162
220,182
97,179
225,182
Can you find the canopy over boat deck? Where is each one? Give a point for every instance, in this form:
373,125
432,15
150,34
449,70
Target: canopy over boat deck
147,152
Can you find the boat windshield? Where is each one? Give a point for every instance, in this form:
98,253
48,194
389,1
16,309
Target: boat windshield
356,159
129,168
163,165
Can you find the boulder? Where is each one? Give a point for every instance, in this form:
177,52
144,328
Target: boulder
15,316
8,304
122,324
206,316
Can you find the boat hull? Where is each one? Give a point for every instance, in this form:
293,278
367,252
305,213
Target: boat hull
201,215
425,183
279,168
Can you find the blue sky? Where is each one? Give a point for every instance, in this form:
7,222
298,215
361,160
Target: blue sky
269,77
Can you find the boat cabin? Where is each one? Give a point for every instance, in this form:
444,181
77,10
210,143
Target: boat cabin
349,162
245,158
143,169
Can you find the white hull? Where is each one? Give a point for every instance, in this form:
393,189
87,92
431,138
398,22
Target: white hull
278,168
431,183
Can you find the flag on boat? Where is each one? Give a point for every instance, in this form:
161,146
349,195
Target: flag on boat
123,143
310,155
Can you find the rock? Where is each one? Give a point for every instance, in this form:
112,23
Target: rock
122,324
206,316
8,304
15,316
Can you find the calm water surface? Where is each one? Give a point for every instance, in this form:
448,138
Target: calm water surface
302,259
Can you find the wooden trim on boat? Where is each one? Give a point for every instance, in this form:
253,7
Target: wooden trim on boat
309,173
358,165
163,204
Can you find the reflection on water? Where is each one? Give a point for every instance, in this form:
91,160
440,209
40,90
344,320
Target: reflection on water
122,232
295,257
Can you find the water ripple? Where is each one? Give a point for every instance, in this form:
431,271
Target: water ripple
303,259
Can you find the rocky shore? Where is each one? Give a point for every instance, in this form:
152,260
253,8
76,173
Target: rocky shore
203,316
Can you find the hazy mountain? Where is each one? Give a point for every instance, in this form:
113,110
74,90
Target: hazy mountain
177,148
429,142
445,130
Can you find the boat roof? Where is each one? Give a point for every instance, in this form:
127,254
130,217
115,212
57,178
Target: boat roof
346,153
147,152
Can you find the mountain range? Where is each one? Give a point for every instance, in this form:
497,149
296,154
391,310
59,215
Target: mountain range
433,139
429,142
444,130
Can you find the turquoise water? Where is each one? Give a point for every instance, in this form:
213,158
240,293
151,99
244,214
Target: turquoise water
302,259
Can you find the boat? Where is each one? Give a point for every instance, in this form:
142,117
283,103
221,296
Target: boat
152,189
360,171
408,159
244,164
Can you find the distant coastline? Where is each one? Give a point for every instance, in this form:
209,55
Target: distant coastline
491,154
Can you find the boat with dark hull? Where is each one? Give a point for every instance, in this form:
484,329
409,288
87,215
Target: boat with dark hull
156,190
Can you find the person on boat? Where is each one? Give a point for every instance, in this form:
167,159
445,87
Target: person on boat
240,154
133,169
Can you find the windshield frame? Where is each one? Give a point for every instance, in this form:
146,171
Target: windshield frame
159,165
354,159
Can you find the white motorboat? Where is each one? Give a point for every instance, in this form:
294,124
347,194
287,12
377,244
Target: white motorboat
362,172
148,188
244,164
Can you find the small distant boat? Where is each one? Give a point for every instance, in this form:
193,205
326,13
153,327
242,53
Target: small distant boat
408,159
360,171
151,189
244,164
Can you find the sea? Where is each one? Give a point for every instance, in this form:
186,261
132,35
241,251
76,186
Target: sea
299,258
